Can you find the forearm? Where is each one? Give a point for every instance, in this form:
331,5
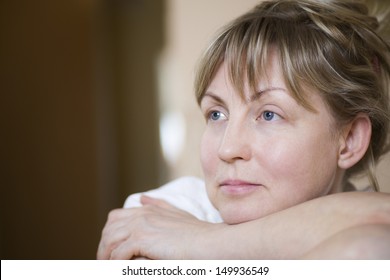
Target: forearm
160,231
291,233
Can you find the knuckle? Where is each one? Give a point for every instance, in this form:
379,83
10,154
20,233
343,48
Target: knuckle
114,214
106,232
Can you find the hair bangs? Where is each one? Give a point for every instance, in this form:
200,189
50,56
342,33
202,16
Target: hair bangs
245,49
246,54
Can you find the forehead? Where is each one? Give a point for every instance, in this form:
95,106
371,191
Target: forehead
272,80
268,72
271,77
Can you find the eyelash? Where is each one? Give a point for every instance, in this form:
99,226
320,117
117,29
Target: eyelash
211,113
267,116
263,116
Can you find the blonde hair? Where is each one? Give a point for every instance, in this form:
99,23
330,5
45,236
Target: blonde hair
332,46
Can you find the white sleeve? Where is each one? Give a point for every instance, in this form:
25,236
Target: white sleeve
186,193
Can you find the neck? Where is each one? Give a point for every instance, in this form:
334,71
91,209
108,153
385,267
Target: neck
341,183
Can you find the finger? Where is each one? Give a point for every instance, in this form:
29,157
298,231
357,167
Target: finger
125,251
112,236
147,200
120,213
116,231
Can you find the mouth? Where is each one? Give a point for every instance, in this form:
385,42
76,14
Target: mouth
238,187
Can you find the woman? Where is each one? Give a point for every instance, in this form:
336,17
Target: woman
296,100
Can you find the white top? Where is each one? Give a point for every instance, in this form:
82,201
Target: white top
186,193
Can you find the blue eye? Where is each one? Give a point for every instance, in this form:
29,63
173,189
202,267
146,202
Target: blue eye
270,116
216,115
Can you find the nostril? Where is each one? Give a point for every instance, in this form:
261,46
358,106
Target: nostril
234,149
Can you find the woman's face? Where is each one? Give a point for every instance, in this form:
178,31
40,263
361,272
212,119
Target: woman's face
266,152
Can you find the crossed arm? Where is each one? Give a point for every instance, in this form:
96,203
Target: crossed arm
347,225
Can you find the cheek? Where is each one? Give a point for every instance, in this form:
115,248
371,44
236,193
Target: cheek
304,165
208,154
209,160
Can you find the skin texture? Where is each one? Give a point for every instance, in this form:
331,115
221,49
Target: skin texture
352,243
275,171
258,153
320,228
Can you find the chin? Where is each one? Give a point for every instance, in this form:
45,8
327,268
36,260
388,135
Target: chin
237,218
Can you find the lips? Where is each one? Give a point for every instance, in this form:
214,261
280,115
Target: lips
238,187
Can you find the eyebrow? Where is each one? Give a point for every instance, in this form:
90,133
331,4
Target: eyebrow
257,95
213,96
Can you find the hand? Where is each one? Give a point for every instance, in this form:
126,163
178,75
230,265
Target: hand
157,230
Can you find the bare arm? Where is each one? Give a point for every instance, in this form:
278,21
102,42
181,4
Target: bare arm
159,232
296,231
370,241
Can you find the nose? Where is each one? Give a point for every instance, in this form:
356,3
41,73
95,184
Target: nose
236,143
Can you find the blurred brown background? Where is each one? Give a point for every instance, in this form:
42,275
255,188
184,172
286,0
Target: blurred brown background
79,119
83,86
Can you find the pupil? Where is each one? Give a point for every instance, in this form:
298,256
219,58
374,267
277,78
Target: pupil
215,115
268,115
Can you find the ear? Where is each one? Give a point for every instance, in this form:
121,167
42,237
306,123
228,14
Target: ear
354,141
